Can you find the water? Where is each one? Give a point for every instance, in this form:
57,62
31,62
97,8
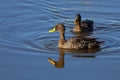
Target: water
26,45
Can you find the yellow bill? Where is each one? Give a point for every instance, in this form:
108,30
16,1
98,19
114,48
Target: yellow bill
53,30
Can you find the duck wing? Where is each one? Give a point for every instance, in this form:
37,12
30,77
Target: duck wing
75,43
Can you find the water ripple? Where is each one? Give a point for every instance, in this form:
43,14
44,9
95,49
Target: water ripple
24,23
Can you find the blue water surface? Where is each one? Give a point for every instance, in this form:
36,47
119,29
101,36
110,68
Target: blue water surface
26,45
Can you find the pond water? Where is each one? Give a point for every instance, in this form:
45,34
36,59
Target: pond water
26,45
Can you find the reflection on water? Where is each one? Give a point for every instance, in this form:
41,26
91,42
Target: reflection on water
87,53
60,62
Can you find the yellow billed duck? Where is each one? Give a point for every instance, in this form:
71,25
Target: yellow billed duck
74,43
82,26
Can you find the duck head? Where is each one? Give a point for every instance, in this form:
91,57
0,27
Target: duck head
59,27
77,19
77,22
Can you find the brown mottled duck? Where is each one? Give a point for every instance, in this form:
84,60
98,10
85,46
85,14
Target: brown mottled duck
82,26
74,43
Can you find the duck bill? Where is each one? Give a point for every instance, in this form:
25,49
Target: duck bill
52,30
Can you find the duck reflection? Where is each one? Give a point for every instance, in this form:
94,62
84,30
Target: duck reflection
60,62
88,53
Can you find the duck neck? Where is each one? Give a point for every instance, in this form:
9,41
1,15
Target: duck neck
78,27
60,63
62,36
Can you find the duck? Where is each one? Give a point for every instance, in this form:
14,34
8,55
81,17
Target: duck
74,42
82,26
